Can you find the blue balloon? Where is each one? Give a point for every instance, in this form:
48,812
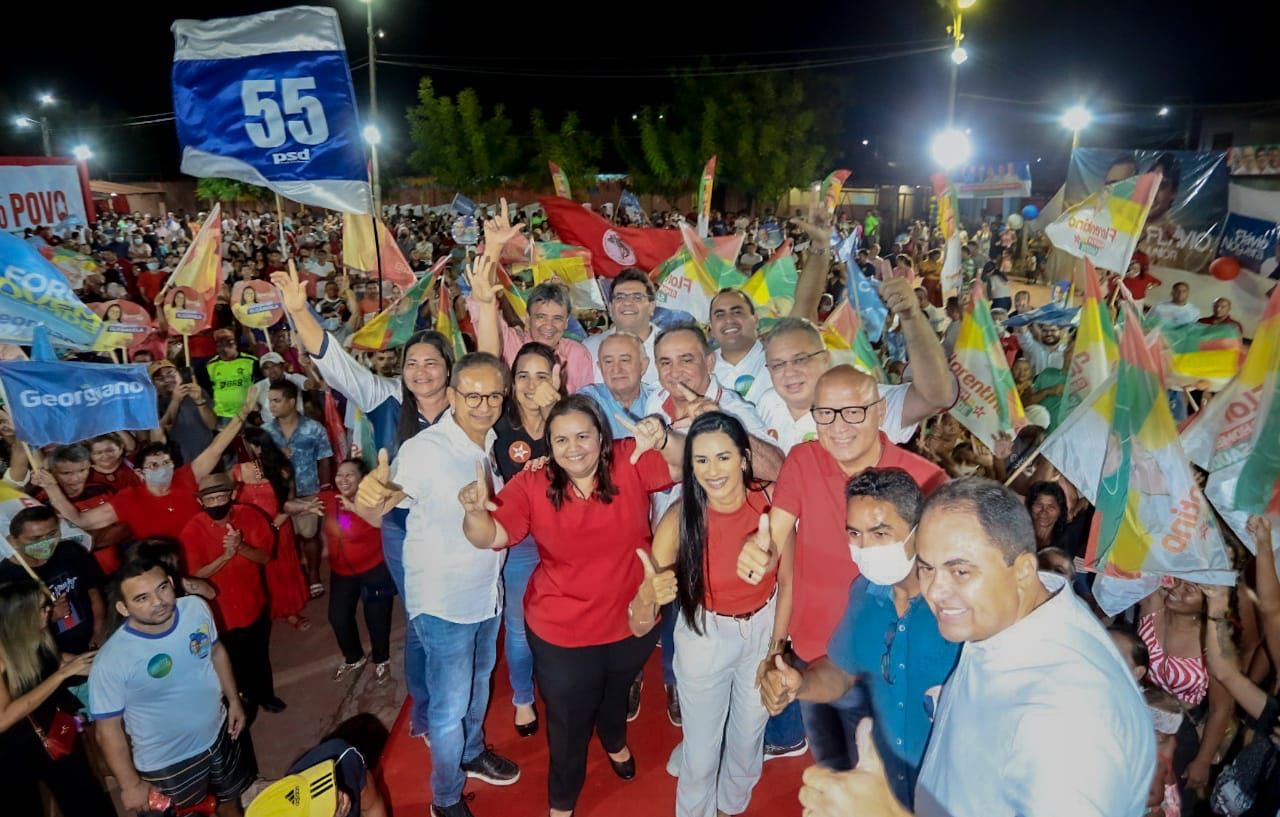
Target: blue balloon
1030,212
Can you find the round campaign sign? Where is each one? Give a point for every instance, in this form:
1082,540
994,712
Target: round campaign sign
770,235
256,304
125,324
466,231
184,311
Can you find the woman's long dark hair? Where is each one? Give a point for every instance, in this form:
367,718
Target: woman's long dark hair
276,467
605,489
1054,491
531,348
691,559
409,426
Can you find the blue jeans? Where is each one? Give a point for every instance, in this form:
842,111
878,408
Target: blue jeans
831,728
460,659
415,658
785,729
521,560
667,632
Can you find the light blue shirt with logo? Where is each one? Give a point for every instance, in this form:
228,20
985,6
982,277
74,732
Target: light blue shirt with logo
164,685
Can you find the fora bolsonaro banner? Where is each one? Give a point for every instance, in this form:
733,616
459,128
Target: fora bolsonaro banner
65,402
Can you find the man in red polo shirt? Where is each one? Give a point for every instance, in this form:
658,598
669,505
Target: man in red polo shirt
809,503
227,544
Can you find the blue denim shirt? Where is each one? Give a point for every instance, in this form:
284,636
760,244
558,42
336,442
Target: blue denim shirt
308,445
870,642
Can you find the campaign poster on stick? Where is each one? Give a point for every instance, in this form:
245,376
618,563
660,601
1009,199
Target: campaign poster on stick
256,304
184,311
124,324
1189,210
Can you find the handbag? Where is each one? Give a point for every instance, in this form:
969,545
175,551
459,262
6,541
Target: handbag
59,739
1238,785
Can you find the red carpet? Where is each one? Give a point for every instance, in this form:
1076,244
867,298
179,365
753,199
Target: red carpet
405,766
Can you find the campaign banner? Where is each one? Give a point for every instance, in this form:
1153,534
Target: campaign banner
1251,241
43,192
65,402
1254,160
267,99
1189,211
125,324
256,304
34,291
1000,180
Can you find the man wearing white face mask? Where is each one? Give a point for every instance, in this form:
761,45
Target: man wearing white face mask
888,638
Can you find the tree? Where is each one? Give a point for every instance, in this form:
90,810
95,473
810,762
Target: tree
575,149
230,191
458,144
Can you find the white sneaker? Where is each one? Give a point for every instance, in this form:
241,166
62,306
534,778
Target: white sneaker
345,669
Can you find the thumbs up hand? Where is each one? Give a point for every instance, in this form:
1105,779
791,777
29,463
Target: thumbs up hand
658,586
758,554
231,541
779,685
475,496
377,486
863,792
547,393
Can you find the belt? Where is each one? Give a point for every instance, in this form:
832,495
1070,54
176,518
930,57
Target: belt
748,616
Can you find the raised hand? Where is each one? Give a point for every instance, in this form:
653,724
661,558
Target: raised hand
658,586
650,434
1002,446
819,230
293,293
864,791
758,556
547,393
475,497
484,285
499,230
899,297
376,486
1259,528
779,685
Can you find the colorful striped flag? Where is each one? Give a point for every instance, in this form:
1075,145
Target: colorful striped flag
988,403
572,265
394,325
559,181
1200,351
704,197
772,288
196,280
359,252
1095,353
75,266
948,209
830,190
688,280
447,323
1106,226
515,296
1234,436
844,337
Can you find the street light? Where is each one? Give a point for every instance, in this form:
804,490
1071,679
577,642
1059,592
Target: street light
951,148
1075,119
22,121
82,153
373,34
959,55
1164,111
372,135
46,99
866,142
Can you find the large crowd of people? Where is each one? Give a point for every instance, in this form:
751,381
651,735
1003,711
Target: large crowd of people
829,562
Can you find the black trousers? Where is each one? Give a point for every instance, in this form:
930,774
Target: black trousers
378,592
76,791
250,651
584,688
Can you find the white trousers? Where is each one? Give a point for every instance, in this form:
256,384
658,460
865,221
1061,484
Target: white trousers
723,716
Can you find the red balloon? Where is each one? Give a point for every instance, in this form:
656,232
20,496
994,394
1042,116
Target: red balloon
1225,268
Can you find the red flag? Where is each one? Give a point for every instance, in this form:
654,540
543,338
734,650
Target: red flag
333,425
613,248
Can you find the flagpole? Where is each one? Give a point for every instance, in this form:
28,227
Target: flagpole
40,582
284,249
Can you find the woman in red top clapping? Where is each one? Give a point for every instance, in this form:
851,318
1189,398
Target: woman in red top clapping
728,630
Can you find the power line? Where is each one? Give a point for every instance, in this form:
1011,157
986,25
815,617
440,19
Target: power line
632,58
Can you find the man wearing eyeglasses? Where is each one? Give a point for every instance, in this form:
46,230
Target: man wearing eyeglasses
631,308
452,589
809,504
887,638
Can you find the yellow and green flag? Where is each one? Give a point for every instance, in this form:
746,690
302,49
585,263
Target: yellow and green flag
988,403
844,337
772,288
447,324
394,325
559,180
830,190
572,266
704,197
1094,358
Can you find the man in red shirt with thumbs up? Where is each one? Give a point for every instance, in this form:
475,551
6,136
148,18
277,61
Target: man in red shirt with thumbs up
228,544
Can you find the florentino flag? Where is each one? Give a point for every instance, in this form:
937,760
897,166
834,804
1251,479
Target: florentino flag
359,252
1106,226
613,248
267,99
200,270
559,181
34,291
572,265
947,219
1199,351
447,324
988,403
1095,352
688,280
704,197
843,336
394,325
772,288
1235,436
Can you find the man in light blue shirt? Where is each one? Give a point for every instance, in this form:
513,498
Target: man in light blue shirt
621,392
1040,717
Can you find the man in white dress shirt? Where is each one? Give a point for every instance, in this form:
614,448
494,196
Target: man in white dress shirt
1040,718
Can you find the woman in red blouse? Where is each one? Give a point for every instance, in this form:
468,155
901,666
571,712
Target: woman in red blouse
728,630
106,454
588,512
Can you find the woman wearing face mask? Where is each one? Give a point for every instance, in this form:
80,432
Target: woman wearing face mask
106,454
728,631
536,387
588,512
266,483
34,702
397,408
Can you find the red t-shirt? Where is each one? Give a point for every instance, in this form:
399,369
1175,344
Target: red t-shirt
355,546
1138,284
149,515
726,532
150,282
118,480
811,487
241,596
588,573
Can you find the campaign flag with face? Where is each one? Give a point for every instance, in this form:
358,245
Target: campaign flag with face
1106,226
33,291
75,266
948,220
988,403
192,290
688,280
572,265
381,262
63,402
267,99
705,184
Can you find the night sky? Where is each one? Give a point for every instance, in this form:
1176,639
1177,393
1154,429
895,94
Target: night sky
111,62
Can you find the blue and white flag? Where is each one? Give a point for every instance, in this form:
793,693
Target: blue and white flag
33,291
66,402
863,292
267,99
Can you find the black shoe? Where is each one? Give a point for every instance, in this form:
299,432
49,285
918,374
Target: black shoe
633,699
626,769
273,705
458,809
772,752
528,730
673,705
492,768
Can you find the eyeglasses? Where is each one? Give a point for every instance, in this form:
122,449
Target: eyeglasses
886,668
474,399
631,297
778,366
853,415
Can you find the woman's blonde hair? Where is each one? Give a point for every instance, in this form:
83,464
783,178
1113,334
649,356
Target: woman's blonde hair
26,645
